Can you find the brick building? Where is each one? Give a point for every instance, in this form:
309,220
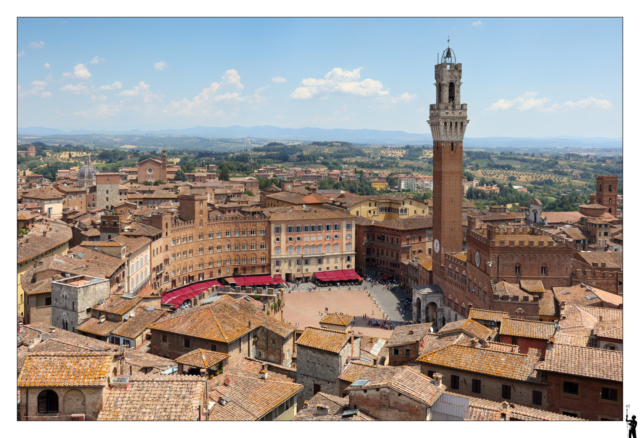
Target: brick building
607,193
75,198
235,327
153,169
488,373
385,245
107,189
584,382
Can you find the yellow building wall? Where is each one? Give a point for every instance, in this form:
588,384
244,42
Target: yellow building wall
373,212
22,267
382,185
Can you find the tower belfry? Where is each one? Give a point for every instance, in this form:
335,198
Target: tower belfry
448,122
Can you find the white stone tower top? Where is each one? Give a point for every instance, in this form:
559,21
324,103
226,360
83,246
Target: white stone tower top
448,117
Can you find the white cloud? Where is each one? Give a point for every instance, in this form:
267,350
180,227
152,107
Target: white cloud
420,110
96,60
115,86
102,110
261,89
278,80
37,89
21,54
80,71
477,23
529,101
339,81
525,102
404,98
98,97
589,103
232,77
47,65
160,65
142,90
75,89
36,45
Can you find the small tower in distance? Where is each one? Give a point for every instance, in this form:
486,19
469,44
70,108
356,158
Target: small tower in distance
607,192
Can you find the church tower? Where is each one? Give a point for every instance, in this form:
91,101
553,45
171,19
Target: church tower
448,121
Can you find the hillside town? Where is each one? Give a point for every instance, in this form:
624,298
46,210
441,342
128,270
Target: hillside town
214,299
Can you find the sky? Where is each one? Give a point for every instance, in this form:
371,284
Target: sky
522,77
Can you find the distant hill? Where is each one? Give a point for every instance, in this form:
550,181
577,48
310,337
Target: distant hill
362,136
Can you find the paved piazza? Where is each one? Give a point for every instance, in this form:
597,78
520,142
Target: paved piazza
302,308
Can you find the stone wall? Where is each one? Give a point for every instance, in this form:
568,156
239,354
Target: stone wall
385,404
587,404
71,303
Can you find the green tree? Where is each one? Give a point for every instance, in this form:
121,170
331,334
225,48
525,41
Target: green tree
147,183
180,176
158,182
469,176
223,175
511,178
248,193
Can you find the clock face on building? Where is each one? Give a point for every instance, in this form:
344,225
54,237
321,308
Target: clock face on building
436,245
478,259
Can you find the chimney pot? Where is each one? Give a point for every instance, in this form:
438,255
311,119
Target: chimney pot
322,410
437,377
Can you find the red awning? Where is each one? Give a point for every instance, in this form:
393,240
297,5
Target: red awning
257,280
342,275
177,297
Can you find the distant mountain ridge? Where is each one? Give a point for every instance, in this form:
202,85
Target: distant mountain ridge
367,136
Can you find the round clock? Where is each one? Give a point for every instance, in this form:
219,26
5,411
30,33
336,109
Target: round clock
478,259
436,245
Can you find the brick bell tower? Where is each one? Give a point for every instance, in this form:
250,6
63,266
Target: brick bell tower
448,121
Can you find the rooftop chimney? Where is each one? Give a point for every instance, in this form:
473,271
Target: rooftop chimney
437,377
322,410
474,343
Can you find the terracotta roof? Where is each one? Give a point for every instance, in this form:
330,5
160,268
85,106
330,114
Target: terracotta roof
51,345
574,233
361,371
468,326
412,223
527,329
36,243
47,192
408,382
323,339
337,319
596,363
97,264
224,321
335,406
484,361
409,334
504,288
136,325
532,286
134,244
155,398
435,342
499,346
65,369
95,327
251,398
107,244
571,339
487,315
296,198
295,215
481,409
562,217
117,304
39,287
606,313
582,295
609,330
547,305
26,215
202,358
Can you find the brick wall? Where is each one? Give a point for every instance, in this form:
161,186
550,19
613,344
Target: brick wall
526,343
588,404
491,387
401,358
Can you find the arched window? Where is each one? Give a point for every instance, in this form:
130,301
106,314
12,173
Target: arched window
47,402
277,250
298,249
543,270
452,92
290,250
319,249
306,250
610,201
518,269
